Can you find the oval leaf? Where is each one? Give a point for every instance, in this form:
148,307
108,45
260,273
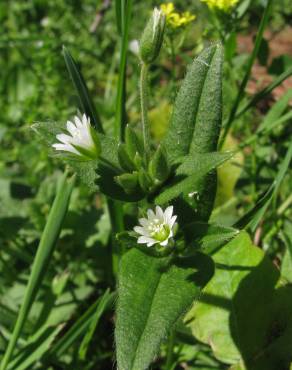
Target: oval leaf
153,293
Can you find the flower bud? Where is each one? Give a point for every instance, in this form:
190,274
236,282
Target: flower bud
125,160
159,168
152,37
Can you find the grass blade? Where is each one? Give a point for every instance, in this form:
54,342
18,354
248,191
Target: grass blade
118,9
34,349
254,216
251,61
76,330
120,119
266,91
81,90
104,302
47,243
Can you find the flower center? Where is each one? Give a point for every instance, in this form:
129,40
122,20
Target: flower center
158,230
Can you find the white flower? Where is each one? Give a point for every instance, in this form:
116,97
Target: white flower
82,140
157,228
134,47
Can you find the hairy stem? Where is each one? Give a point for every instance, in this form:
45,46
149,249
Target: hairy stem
144,108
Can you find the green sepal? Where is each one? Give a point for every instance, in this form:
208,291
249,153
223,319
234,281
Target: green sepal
86,154
159,168
124,159
138,160
145,180
128,181
96,140
133,141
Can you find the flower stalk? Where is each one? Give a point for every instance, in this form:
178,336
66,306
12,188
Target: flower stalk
144,93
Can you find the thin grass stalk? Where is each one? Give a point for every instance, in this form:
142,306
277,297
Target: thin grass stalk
264,92
244,82
120,117
123,10
42,259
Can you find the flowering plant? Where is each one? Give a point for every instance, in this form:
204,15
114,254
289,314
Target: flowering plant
182,270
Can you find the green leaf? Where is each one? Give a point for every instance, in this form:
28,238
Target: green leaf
81,90
153,294
243,314
195,124
196,119
252,218
196,167
209,237
44,253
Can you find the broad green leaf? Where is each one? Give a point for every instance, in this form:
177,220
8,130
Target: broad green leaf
199,163
43,256
81,90
153,294
209,237
243,314
196,167
253,217
195,124
196,117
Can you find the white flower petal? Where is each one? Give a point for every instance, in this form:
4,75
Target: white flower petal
159,213
164,244
65,139
78,122
71,128
145,240
172,221
140,230
168,213
152,243
150,214
65,148
144,222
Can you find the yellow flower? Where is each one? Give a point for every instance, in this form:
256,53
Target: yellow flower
167,8
174,19
224,5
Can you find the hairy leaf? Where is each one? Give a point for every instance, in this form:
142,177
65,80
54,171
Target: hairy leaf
153,293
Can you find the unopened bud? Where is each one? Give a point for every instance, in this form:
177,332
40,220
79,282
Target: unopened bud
152,37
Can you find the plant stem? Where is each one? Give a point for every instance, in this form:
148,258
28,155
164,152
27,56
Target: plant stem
117,223
244,82
144,108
